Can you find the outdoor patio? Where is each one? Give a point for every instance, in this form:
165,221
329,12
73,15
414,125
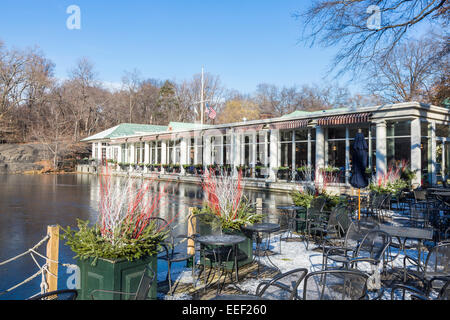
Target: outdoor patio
389,269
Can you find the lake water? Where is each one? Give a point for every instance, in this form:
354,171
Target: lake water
30,203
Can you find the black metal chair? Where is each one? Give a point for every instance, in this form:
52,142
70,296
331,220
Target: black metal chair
370,249
144,287
172,251
327,227
283,286
437,265
314,214
402,291
335,285
67,294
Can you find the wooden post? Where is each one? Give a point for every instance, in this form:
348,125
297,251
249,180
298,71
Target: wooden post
259,205
52,255
191,230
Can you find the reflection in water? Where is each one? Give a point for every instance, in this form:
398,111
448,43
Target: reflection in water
30,203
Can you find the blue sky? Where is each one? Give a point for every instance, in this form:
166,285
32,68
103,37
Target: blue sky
244,42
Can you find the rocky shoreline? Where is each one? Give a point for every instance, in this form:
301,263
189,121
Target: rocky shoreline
24,158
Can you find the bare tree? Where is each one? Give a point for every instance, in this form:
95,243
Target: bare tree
408,72
348,23
131,82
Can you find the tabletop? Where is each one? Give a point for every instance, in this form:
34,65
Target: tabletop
221,239
263,227
290,207
408,232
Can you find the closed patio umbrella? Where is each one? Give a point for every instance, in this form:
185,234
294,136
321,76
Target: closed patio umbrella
359,160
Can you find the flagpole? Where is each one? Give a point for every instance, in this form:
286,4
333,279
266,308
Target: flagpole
202,97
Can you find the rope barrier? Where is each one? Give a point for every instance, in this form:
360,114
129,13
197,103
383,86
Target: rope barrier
43,270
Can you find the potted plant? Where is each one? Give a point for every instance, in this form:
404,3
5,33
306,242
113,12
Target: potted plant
199,169
282,173
176,168
113,252
225,200
124,165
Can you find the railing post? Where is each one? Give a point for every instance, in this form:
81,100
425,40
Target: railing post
259,205
191,230
52,255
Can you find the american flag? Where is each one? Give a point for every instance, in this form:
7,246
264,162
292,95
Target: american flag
210,111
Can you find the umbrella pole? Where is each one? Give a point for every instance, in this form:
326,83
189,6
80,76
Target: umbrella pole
359,204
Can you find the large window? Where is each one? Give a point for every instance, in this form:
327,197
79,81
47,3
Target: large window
173,154
262,147
216,150
248,149
286,149
398,142
336,151
155,152
139,152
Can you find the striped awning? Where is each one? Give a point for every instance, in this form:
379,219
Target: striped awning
290,124
344,119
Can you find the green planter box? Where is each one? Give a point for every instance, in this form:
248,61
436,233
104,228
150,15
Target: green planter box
114,275
300,225
245,249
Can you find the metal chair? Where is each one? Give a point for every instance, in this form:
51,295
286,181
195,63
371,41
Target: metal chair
170,244
415,294
437,264
283,286
67,294
327,228
144,287
314,214
370,249
335,285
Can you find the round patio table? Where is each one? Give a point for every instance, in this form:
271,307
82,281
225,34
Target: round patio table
222,240
259,229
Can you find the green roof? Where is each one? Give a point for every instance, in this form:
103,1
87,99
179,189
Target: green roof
125,129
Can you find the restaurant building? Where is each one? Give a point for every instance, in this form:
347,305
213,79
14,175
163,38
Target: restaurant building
296,147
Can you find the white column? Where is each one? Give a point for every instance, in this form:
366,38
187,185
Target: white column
220,151
266,150
163,154
381,152
293,154
207,152
309,159
416,161
94,145
274,153
347,156
433,152
132,153
320,152
119,154
236,150
253,153
147,152
183,153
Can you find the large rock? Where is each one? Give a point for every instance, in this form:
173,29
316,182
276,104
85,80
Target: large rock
19,158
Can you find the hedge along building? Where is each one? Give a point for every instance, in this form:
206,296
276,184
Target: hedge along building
412,133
